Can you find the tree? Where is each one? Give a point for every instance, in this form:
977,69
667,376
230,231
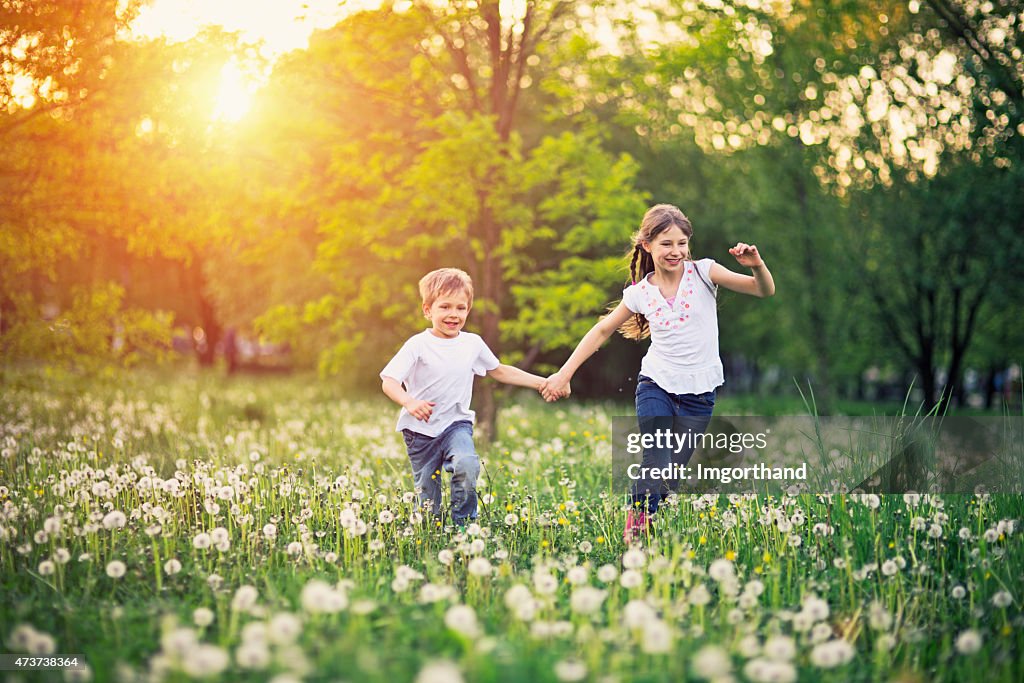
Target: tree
449,181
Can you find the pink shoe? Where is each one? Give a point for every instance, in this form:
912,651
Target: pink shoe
638,524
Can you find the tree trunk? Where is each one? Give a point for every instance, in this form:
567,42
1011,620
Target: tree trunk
990,387
816,316
491,287
206,346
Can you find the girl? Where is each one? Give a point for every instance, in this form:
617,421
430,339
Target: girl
672,299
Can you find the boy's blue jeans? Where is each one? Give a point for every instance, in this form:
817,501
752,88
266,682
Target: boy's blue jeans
682,414
450,451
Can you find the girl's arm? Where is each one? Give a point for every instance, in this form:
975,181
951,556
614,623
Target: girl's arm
508,374
558,383
760,284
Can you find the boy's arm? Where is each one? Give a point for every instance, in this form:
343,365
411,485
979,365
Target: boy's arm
421,410
508,374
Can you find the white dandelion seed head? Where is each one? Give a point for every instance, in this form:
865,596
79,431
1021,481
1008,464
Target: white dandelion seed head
831,654
634,559
637,613
711,662
245,598
202,616
319,597
607,573
699,595
570,670
205,660
587,600
544,582
578,575
283,628
780,648
968,642
115,519
462,619
657,638
721,570
816,608
439,672
479,566
762,670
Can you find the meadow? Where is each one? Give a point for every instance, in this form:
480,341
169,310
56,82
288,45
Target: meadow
185,527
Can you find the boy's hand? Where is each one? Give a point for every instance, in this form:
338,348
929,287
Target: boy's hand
746,255
421,410
555,387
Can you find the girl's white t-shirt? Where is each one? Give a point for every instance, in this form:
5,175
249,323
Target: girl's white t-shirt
441,371
683,357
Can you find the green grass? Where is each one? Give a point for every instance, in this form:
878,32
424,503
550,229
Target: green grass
741,575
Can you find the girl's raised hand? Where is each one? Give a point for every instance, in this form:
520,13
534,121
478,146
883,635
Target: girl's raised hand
747,255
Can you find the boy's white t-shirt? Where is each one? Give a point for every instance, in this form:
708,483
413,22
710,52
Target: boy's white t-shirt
683,357
440,370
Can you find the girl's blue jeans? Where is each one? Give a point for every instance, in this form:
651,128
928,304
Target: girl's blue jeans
657,410
450,451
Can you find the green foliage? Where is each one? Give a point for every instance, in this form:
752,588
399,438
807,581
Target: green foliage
94,334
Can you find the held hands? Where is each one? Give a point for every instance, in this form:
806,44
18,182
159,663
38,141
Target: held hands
747,255
421,410
555,387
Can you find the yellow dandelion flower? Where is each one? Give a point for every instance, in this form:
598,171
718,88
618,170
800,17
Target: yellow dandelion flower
703,540
730,555
767,557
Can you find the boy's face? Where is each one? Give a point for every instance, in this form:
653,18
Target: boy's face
448,314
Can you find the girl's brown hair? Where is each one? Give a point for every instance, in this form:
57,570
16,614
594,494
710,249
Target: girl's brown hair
657,220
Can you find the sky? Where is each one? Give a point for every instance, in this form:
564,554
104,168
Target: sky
283,25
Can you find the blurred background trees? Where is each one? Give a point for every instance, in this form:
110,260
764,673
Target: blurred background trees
871,149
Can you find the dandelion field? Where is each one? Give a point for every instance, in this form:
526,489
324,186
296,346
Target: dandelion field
197,528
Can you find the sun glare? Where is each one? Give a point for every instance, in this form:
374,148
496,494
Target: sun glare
274,27
234,97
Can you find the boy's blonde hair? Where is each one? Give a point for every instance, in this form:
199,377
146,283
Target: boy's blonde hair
445,281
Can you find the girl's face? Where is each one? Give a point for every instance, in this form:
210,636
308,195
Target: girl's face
669,249
448,314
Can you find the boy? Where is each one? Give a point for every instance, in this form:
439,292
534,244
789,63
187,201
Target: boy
437,367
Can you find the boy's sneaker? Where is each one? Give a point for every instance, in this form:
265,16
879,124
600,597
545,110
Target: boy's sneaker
638,525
